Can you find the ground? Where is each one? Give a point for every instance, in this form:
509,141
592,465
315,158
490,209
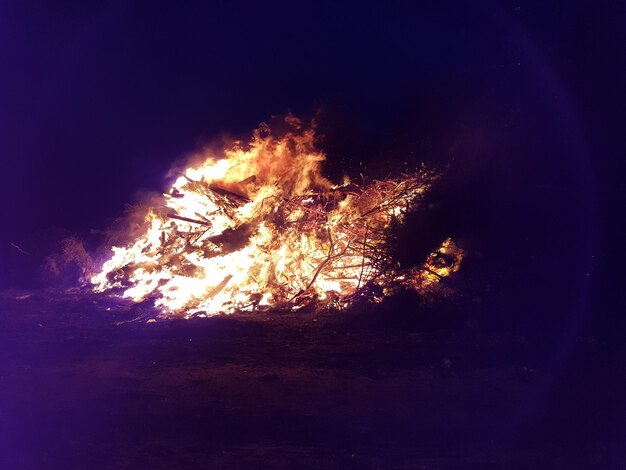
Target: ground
87,382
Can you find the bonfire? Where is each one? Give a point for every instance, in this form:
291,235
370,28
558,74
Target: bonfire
259,227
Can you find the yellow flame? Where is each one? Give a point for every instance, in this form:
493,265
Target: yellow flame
261,227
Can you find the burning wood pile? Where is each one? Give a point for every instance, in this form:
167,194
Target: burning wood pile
261,228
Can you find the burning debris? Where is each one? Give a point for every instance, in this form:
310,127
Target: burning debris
262,228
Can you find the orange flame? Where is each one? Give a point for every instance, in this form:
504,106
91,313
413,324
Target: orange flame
261,227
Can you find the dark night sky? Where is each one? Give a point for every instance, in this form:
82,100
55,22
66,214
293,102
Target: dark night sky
98,100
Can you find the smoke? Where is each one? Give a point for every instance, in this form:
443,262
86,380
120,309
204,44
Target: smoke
70,264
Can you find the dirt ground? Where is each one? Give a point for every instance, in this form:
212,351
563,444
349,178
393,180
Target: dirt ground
88,383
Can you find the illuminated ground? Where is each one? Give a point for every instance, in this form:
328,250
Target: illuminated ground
87,387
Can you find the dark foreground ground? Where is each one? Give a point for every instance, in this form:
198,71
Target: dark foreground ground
87,383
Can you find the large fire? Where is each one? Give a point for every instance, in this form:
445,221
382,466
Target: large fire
262,228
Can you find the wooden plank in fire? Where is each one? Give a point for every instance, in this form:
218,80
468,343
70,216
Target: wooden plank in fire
217,289
187,219
229,194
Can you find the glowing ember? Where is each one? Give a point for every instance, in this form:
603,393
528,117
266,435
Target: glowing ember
262,228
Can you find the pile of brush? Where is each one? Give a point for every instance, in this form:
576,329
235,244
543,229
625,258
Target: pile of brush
280,237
